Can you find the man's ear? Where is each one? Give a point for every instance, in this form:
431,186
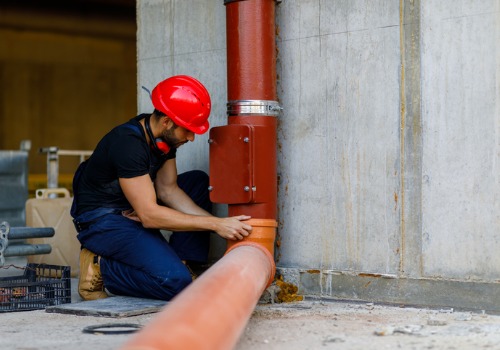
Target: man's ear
166,121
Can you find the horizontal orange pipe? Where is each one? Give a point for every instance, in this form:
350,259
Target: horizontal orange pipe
212,312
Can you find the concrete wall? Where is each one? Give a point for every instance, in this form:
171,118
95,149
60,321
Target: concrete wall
403,121
389,143
184,37
461,140
339,135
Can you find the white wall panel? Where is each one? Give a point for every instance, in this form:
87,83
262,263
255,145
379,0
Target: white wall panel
338,135
461,153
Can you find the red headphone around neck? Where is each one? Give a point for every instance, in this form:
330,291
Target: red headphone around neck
157,143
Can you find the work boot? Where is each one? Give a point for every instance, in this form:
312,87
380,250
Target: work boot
90,285
191,272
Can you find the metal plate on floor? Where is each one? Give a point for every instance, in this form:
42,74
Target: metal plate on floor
116,306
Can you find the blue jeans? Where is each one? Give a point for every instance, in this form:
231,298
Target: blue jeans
139,262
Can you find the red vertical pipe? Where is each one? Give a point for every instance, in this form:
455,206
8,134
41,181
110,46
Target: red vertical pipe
251,50
251,74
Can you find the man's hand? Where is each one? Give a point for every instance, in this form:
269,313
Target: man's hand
131,214
233,228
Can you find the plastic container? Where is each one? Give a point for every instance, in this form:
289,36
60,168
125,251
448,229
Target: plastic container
51,208
40,286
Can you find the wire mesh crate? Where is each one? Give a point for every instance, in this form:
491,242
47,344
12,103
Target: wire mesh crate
40,286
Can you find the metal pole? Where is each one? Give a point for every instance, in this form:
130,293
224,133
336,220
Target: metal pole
27,249
30,232
8,232
20,249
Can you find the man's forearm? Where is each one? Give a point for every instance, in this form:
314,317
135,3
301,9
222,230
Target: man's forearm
177,199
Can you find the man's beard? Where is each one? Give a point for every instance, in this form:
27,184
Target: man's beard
170,139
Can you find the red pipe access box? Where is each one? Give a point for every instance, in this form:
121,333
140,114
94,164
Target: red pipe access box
242,161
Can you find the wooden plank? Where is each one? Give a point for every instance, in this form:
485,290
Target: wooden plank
116,306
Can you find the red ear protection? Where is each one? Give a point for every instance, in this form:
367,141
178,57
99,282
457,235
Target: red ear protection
162,145
159,144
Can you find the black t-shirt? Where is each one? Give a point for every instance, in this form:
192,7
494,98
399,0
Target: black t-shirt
122,153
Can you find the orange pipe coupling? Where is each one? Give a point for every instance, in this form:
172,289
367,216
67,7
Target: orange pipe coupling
212,312
263,233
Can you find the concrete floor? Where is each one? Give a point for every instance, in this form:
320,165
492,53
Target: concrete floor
310,324
346,325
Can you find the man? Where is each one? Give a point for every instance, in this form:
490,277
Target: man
129,189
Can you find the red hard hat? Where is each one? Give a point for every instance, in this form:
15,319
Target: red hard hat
184,100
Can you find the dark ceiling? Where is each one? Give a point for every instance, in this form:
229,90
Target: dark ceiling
114,8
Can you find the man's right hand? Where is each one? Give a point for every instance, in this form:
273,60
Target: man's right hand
234,228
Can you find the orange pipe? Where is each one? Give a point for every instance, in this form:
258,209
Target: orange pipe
212,312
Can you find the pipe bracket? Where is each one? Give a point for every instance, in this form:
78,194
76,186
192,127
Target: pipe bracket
254,107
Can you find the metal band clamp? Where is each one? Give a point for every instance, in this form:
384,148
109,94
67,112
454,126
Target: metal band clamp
254,107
